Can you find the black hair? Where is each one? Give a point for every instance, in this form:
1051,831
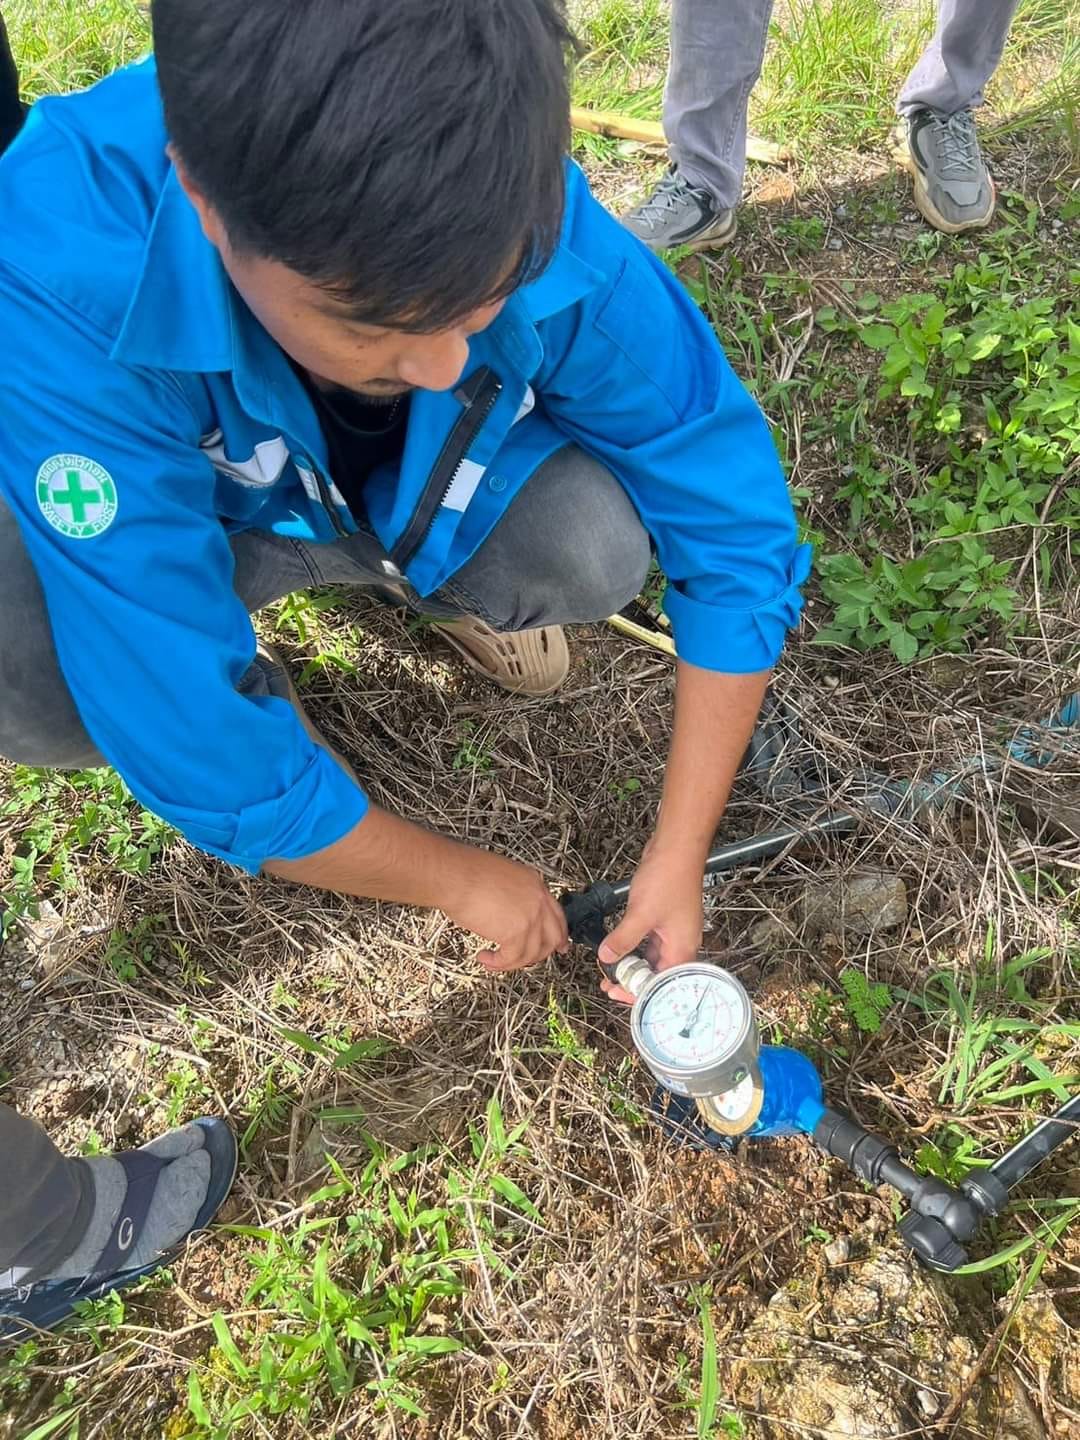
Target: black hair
404,155
11,108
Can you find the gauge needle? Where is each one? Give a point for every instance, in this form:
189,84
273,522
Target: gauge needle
692,1020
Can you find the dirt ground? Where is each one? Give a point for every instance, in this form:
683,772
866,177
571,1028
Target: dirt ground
136,1001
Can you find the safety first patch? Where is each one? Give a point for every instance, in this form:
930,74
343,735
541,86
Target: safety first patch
77,496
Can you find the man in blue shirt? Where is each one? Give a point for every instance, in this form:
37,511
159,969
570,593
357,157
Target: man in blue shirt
318,297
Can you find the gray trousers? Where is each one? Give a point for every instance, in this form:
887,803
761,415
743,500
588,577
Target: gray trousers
717,49
570,548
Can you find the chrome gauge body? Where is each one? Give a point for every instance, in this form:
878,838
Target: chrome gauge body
694,1028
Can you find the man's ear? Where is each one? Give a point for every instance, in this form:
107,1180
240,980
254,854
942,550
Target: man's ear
209,219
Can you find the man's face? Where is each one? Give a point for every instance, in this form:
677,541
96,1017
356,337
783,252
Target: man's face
317,332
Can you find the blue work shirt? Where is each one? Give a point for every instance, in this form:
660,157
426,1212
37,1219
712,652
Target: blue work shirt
146,416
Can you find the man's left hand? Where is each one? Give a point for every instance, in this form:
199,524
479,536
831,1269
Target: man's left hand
664,910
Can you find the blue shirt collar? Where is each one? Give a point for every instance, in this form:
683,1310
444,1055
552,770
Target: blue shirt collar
181,311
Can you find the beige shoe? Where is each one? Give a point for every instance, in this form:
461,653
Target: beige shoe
281,685
525,662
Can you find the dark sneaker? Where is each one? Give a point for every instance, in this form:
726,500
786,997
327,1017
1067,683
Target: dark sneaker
953,188
677,213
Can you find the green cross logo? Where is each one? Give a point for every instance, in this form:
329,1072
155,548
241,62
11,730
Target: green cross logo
76,496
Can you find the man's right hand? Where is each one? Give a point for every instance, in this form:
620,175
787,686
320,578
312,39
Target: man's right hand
510,905
386,858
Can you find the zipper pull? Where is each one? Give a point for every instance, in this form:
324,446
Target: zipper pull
467,393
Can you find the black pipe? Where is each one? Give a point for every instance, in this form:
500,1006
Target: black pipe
587,910
1034,1148
942,1216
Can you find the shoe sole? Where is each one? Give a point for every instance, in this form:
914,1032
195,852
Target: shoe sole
552,683
709,242
925,205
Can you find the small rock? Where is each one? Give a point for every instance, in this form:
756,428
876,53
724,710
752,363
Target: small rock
948,672
929,1403
838,1251
858,904
329,1138
1048,1344
835,243
907,1326
1017,1418
842,212
772,931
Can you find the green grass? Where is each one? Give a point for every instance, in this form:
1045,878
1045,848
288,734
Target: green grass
67,828
67,44
623,64
832,70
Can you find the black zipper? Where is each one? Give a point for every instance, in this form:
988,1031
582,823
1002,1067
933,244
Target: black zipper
328,503
478,396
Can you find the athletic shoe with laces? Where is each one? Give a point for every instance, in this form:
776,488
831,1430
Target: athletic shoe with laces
678,213
953,188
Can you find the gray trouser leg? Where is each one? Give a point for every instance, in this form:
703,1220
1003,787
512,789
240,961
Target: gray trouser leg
39,725
569,549
45,1199
717,49
962,56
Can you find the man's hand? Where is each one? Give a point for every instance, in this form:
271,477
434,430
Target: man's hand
386,858
664,910
510,905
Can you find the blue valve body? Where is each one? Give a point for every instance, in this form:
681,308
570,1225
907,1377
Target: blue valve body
794,1101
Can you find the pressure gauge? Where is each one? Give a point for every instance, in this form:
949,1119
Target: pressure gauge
694,1028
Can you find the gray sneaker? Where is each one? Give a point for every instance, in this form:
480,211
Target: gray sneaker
953,188
677,213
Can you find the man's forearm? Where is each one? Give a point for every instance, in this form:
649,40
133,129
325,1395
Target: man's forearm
714,720
385,858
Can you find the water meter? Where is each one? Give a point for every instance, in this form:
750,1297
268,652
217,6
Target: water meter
694,1028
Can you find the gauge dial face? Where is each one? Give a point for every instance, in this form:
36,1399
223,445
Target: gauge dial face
693,1019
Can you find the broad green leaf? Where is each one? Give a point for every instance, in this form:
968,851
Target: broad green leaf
196,1403
878,337
710,1389
228,1347
981,347
432,1345
50,1427
305,1042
